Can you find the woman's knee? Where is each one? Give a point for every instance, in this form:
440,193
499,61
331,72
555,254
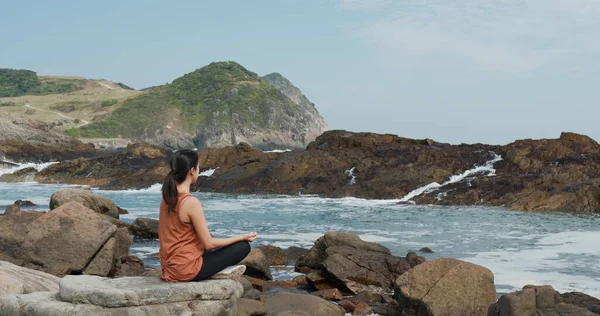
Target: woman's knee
244,248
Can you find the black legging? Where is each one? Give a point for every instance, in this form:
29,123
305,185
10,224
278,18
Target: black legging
214,261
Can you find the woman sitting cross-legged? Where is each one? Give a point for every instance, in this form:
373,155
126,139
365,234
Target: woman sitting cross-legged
187,250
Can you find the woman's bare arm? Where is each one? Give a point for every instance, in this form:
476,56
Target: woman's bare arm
195,212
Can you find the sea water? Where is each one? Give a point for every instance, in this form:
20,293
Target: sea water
518,247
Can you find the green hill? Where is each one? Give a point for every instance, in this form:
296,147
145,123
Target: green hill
222,97
15,83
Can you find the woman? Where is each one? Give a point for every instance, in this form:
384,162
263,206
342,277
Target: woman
183,232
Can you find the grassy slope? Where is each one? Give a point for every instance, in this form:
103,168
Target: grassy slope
50,99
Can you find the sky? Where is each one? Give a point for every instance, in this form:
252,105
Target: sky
467,71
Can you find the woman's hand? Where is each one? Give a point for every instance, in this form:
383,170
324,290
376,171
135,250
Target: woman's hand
250,237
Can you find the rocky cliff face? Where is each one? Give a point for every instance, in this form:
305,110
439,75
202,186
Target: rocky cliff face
25,140
219,105
315,124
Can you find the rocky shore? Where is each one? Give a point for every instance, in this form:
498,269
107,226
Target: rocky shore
74,258
560,174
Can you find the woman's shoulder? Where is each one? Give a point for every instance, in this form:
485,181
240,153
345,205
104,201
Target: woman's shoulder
188,199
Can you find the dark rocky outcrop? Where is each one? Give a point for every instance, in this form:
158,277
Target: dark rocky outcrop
548,174
145,227
581,300
137,166
23,175
24,203
293,253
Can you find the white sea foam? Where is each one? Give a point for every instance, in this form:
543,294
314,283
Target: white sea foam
284,273
547,262
376,238
488,168
155,188
277,151
38,166
144,251
350,173
208,173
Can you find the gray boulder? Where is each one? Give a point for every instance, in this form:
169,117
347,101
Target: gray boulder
148,296
19,280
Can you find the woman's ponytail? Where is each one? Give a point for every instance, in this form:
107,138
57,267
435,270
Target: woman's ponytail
169,191
180,164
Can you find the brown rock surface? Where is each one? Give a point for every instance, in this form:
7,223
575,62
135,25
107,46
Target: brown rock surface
248,307
66,239
133,266
535,301
445,286
290,302
105,260
356,264
87,198
275,255
11,209
256,265
330,295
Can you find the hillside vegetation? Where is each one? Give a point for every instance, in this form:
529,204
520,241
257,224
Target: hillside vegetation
219,96
15,83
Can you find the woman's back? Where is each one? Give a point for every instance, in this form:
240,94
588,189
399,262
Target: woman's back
180,247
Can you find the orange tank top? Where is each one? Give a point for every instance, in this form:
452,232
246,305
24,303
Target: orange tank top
180,247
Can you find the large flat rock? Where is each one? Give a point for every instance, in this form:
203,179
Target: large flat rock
49,304
136,291
19,280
